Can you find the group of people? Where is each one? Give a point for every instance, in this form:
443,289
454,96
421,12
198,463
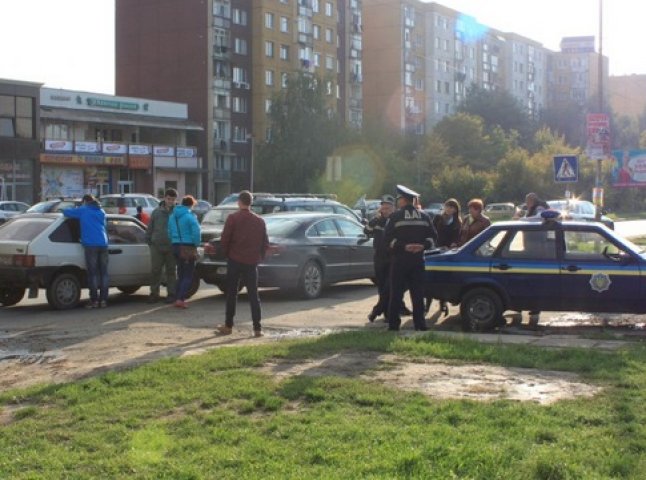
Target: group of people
173,235
400,238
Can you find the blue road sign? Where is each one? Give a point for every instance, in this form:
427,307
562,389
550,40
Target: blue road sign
566,168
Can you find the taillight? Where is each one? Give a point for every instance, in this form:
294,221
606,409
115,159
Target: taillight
24,260
209,249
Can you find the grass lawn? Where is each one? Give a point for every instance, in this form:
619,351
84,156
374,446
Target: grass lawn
215,416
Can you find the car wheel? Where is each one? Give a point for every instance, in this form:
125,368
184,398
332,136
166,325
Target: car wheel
223,286
11,296
194,287
128,290
480,310
311,282
64,292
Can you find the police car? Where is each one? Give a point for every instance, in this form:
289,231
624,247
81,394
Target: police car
542,265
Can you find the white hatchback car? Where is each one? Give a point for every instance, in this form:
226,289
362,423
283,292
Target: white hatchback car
44,251
112,202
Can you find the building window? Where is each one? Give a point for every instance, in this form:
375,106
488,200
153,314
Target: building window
239,16
239,75
438,86
317,59
269,77
269,49
16,116
284,79
316,7
328,9
239,105
329,62
267,105
316,31
284,24
240,46
329,33
239,134
284,52
269,20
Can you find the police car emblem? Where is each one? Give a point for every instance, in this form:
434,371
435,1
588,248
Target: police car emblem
600,282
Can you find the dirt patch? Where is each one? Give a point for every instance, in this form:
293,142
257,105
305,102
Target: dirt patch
443,380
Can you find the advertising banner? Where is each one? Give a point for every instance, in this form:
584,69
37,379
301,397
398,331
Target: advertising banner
629,168
58,146
87,147
115,148
61,182
598,136
163,151
139,149
186,152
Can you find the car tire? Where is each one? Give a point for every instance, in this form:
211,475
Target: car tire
64,292
194,287
129,290
222,286
310,284
480,310
11,296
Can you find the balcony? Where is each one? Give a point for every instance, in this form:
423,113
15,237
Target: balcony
221,51
222,82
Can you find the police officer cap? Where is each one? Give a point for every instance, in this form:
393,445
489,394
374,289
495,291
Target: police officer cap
406,192
388,199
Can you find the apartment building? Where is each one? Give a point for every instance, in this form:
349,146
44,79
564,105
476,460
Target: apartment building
627,94
227,58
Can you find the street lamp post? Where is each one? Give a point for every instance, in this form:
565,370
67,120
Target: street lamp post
598,191
250,138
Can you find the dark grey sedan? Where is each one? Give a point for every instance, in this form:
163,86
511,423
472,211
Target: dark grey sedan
307,251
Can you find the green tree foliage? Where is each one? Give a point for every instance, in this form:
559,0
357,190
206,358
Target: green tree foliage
303,134
567,119
625,134
499,109
468,143
461,183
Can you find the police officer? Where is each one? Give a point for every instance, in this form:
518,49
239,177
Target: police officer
375,229
408,233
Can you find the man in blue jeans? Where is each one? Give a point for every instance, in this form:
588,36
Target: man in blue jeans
94,238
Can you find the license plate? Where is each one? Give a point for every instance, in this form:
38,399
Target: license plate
221,270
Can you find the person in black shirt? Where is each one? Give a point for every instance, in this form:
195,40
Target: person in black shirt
408,233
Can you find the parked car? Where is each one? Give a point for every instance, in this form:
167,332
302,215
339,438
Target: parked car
213,222
539,265
500,211
434,208
366,208
579,210
127,203
43,251
307,251
54,205
10,208
201,208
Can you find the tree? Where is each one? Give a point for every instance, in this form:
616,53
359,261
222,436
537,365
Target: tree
303,134
567,119
461,183
498,108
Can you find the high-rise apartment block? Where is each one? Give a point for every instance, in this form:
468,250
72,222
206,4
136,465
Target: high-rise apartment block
227,58
420,59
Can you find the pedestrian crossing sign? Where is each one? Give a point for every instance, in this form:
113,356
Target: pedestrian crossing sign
566,168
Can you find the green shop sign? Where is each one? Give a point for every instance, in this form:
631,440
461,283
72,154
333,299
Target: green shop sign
114,104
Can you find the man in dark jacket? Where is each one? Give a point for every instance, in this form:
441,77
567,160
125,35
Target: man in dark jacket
409,232
375,229
162,259
94,238
244,242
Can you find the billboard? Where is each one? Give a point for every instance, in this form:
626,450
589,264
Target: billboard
629,168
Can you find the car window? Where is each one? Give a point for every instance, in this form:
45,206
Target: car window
589,246
41,207
24,228
530,245
488,248
280,227
324,228
348,228
125,231
67,232
217,216
343,211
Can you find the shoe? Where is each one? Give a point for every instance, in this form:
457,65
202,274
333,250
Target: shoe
371,317
224,330
103,304
152,298
405,312
180,304
93,304
257,333
169,299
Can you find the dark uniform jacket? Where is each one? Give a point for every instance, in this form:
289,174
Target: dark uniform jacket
375,229
409,225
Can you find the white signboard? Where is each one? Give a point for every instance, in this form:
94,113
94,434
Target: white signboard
87,147
58,146
139,149
186,152
115,148
163,151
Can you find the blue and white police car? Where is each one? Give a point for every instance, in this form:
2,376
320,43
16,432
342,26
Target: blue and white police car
540,265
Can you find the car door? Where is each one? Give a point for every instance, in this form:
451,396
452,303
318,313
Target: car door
360,251
331,248
598,273
526,266
129,256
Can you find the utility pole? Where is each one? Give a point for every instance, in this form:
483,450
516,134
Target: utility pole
598,189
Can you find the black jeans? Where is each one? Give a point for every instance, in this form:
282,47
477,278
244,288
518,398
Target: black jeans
237,271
